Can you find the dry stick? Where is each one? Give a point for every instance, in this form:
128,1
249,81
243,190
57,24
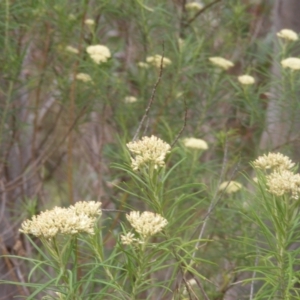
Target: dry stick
72,112
253,276
184,125
152,96
43,156
200,12
38,91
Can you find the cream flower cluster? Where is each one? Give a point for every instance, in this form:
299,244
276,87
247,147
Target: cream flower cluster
292,63
195,143
284,182
143,65
128,238
75,219
98,53
288,34
89,22
146,223
72,49
275,161
221,62
281,180
84,77
230,187
156,61
194,6
130,99
246,79
148,151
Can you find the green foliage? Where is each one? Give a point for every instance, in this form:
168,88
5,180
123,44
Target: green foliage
63,139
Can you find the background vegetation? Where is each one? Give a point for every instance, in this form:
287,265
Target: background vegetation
63,140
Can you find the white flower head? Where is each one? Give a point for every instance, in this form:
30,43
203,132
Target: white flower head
98,53
146,223
221,62
230,187
288,34
89,22
84,77
273,161
148,151
90,208
284,182
157,60
194,6
143,65
246,79
130,99
78,218
195,143
72,49
291,63
127,238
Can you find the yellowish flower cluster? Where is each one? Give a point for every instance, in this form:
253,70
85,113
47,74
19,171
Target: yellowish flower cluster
130,99
148,151
281,180
275,161
143,65
156,61
221,62
89,22
72,49
246,79
84,77
230,187
98,53
288,34
195,143
194,6
284,182
128,238
75,219
146,223
291,63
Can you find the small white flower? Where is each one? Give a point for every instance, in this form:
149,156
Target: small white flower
284,182
143,65
98,53
291,63
221,62
146,223
288,34
84,77
194,6
128,238
157,60
72,49
230,187
89,22
130,99
274,161
148,151
246,79
195,143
